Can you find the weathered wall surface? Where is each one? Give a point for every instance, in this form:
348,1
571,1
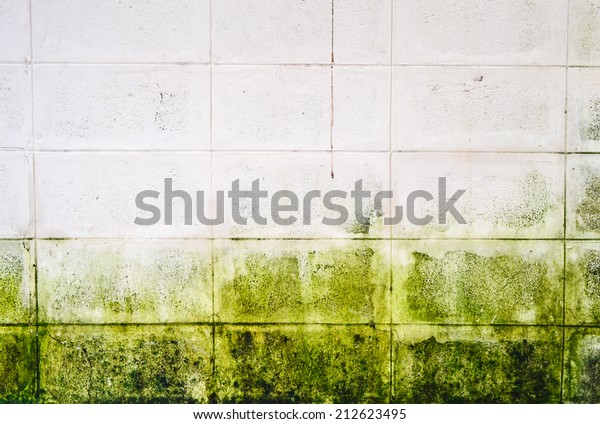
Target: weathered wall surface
102,99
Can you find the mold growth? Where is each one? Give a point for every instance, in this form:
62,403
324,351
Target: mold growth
593,129
465,286
475,371
338,285
124,283
13,296
588,210
582,382
126,365
302,365
17,366
529,208
589,267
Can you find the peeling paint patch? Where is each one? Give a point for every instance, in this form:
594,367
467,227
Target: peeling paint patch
126,364
302,364
476,365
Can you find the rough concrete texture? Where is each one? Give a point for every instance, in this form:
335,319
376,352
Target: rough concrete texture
100,100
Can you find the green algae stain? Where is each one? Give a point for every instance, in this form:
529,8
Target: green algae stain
126,364
588,210
464,370
582,367
591,274
17,366
311,364
465,286
14,293
99,283
531,204
346,285
266,287
583,288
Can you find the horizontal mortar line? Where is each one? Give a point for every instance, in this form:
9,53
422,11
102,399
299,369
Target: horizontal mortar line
107,63
16,149
203,324
122,324
292,324
20,325
262,151
295,64
301,239
455,324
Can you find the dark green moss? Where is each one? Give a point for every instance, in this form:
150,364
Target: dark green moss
308,364
345,285
120,364
17,365
468,287
582,367
466,370
588,210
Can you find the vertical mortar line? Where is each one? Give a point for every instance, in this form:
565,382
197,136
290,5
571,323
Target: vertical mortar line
33,211
212,243
391,205
565,155
332,110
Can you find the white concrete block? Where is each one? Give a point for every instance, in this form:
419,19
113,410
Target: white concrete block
14,31
301,173
507,32
362,31
130,107
584,32
261,108
505,195
15,195
121,30
272,31
94,194
583,118
479,109
15,106
361,118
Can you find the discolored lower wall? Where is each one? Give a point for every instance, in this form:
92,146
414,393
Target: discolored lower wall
301,321
101,100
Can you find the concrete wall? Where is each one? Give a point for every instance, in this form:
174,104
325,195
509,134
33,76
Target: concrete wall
102,99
